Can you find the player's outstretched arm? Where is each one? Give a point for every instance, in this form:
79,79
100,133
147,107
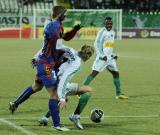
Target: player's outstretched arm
69,35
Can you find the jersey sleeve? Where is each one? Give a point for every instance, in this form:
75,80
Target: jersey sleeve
60,45
98,44
67,50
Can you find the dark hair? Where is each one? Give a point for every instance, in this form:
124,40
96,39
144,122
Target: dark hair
108,18
58,10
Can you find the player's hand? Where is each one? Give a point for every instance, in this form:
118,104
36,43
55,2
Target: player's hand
33,62
62,104
77,27
116,57
103,58
66,99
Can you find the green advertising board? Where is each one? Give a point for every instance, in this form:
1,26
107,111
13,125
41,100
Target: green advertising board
96,19
149,20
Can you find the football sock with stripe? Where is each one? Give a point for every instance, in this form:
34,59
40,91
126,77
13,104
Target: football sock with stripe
24,95
116,82
54,111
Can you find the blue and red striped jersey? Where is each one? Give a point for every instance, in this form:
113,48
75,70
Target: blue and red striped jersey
52,33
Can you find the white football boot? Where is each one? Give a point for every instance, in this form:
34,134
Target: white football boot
76,120
61,128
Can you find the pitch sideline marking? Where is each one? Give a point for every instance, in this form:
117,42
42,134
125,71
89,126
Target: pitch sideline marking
86,117
11,124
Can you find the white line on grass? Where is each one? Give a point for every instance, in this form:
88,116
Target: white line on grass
86,117
142,58
127,116
135,116
11,124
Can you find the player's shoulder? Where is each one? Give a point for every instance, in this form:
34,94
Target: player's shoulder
51,27
53,24
102,29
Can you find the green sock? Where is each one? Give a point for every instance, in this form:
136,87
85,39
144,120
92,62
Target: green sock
84,97
117,85
82,103
88,80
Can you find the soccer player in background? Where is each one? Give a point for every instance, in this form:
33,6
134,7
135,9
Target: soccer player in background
105,60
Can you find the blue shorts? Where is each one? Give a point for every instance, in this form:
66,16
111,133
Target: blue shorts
45,74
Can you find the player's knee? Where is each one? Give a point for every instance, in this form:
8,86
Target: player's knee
84,89
52,93
37,87
94,73
89,90
53,96
115,74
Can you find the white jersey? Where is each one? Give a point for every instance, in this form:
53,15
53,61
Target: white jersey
66,71
104,43
104,46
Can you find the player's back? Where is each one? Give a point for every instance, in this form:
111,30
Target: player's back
51,34
73,63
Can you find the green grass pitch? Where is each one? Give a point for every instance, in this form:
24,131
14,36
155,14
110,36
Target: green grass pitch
139,66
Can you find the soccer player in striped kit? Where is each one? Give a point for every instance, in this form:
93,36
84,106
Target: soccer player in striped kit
47,60
42,62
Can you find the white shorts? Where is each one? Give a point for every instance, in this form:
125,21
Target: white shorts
71,89
100,65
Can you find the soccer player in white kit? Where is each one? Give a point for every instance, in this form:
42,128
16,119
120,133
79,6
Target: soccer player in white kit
69,68
105,59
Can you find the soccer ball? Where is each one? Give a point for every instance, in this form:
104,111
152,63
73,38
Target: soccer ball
97,115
